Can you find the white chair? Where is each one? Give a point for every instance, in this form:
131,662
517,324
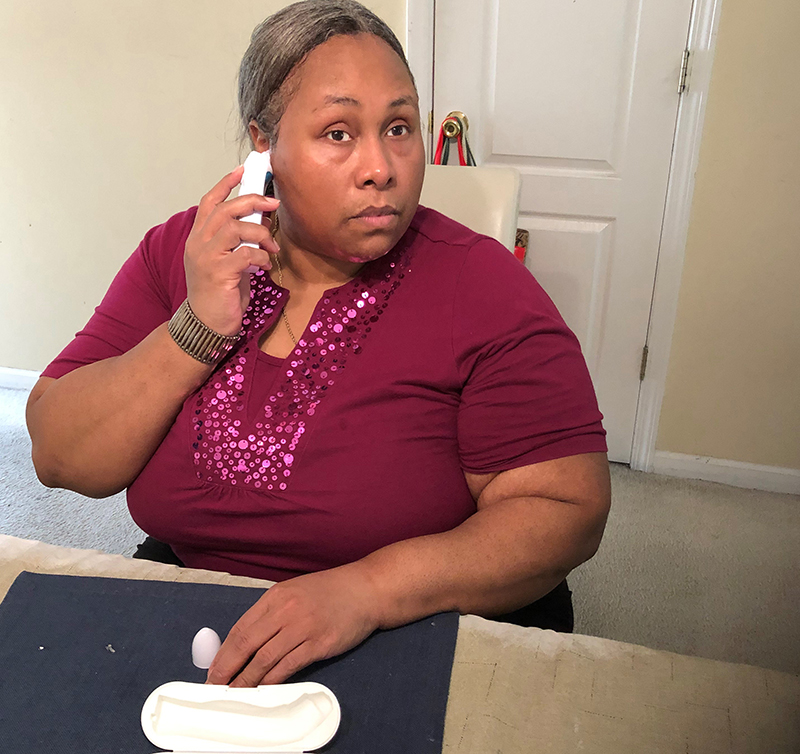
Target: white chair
486,200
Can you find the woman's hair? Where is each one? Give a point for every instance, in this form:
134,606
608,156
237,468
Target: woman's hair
281,42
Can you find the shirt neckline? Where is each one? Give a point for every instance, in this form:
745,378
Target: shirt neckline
268,358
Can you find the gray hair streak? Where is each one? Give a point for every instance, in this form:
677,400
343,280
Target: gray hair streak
281,42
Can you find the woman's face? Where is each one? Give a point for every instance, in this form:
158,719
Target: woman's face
349,158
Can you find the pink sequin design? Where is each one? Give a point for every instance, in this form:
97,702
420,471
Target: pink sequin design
261,455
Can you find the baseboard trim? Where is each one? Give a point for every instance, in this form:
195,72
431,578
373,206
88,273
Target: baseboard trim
735,473
18,379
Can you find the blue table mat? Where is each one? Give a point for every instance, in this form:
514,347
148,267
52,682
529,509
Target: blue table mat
79,656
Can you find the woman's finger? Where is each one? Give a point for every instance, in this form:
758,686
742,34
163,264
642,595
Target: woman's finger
293,662
217,195
235,232
235,209
248,256
241,205
240,645
245,205
247,636
285,642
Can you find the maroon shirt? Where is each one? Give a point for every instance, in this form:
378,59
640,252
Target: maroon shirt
441,357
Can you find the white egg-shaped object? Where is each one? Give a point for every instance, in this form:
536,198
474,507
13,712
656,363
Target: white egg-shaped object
205,645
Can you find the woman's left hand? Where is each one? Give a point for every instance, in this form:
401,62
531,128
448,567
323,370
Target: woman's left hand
297,622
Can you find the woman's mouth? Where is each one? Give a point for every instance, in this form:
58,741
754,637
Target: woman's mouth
378,217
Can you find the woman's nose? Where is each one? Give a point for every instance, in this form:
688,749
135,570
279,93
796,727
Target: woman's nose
375,166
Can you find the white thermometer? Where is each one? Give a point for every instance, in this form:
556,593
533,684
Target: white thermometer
257,175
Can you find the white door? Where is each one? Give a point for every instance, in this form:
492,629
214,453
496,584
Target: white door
581,96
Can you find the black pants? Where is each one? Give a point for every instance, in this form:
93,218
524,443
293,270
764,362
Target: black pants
159,552
553,611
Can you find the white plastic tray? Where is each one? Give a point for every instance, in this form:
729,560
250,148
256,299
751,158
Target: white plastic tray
195,717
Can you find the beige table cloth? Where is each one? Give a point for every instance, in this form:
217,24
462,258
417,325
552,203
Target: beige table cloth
526,690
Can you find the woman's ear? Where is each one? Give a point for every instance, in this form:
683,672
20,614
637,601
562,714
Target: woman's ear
260,144
259,141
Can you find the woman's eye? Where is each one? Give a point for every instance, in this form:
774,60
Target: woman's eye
398,130
338,135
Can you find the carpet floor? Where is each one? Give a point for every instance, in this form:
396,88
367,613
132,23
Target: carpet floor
691,567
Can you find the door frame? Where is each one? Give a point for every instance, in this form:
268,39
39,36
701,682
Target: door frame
420,44
702,28
701,43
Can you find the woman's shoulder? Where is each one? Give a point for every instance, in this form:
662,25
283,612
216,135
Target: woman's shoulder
476,256
161,253
169,237
437,228
472,247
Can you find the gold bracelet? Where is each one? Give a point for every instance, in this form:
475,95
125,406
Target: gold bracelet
198,340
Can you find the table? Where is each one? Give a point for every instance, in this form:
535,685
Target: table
527,690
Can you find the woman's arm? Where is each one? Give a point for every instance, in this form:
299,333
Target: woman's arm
533,525
94,429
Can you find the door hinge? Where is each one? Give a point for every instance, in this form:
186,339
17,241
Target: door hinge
643,366
683,81
430,121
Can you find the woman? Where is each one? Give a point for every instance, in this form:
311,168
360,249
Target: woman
389,418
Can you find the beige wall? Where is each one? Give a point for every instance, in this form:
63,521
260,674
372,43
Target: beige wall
733,389
113,116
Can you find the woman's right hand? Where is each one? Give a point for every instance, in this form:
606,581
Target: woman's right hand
217,280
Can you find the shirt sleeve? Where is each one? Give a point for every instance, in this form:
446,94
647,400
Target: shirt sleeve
527,396
144,294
